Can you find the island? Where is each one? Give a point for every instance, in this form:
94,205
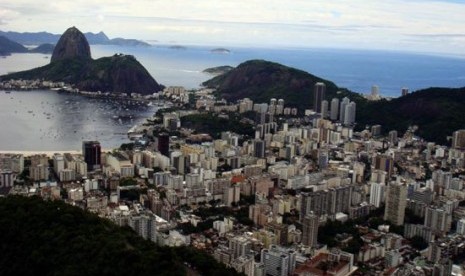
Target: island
220,51
219,70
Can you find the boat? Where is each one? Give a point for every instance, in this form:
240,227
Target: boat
8,92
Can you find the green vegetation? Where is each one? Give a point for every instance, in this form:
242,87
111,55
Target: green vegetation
262,80
436,111
218,70
119,73
53,238
213,124
418,243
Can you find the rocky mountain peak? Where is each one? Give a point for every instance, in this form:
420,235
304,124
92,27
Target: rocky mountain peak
72,44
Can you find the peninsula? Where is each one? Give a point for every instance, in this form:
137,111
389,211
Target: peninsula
72,63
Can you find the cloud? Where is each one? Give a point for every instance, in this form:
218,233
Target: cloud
356,23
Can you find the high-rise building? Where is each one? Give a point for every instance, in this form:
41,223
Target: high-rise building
349,114
318,96
377,194
324,109
404,91
163,144
438,220
458,139
91,151
374,91
334,109
393,137
278,261
396,201
342,108
310,225
259,148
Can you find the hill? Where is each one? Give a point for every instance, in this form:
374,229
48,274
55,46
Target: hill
53,238
262,80
436,111
71,62
45,48
8,46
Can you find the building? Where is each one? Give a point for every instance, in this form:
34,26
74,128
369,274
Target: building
334,109
336,262
318,96
377,191
259,148
7,178
278,261
458,139
396,201
438,220
92,152
310,225
163,144
349,114
324,109
384,163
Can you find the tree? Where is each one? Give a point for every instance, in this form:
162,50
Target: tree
418,243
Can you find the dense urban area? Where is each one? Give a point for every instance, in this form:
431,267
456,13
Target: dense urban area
267,189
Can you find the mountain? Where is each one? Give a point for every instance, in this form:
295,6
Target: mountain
436,111
72,44
71,62
262,80
29,38
55,238
8,46
45,48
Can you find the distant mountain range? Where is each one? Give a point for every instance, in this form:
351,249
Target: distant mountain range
8,46
38,38
436,111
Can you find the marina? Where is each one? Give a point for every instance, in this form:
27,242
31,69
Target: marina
46,120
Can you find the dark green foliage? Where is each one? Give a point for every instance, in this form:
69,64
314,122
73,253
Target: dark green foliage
127,181
262,80
436,111
418,243
119,73
213,124
53,238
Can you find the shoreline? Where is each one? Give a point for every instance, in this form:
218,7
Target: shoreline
49,153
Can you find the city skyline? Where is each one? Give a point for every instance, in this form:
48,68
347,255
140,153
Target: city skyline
415,26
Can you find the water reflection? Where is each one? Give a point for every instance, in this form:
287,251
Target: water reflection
45,120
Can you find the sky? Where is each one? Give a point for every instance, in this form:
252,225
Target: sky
423,26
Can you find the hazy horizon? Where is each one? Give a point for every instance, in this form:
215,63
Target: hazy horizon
422,26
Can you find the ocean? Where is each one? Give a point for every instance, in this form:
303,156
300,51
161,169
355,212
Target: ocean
45,120
357,70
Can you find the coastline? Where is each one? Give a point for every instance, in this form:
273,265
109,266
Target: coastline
49,153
